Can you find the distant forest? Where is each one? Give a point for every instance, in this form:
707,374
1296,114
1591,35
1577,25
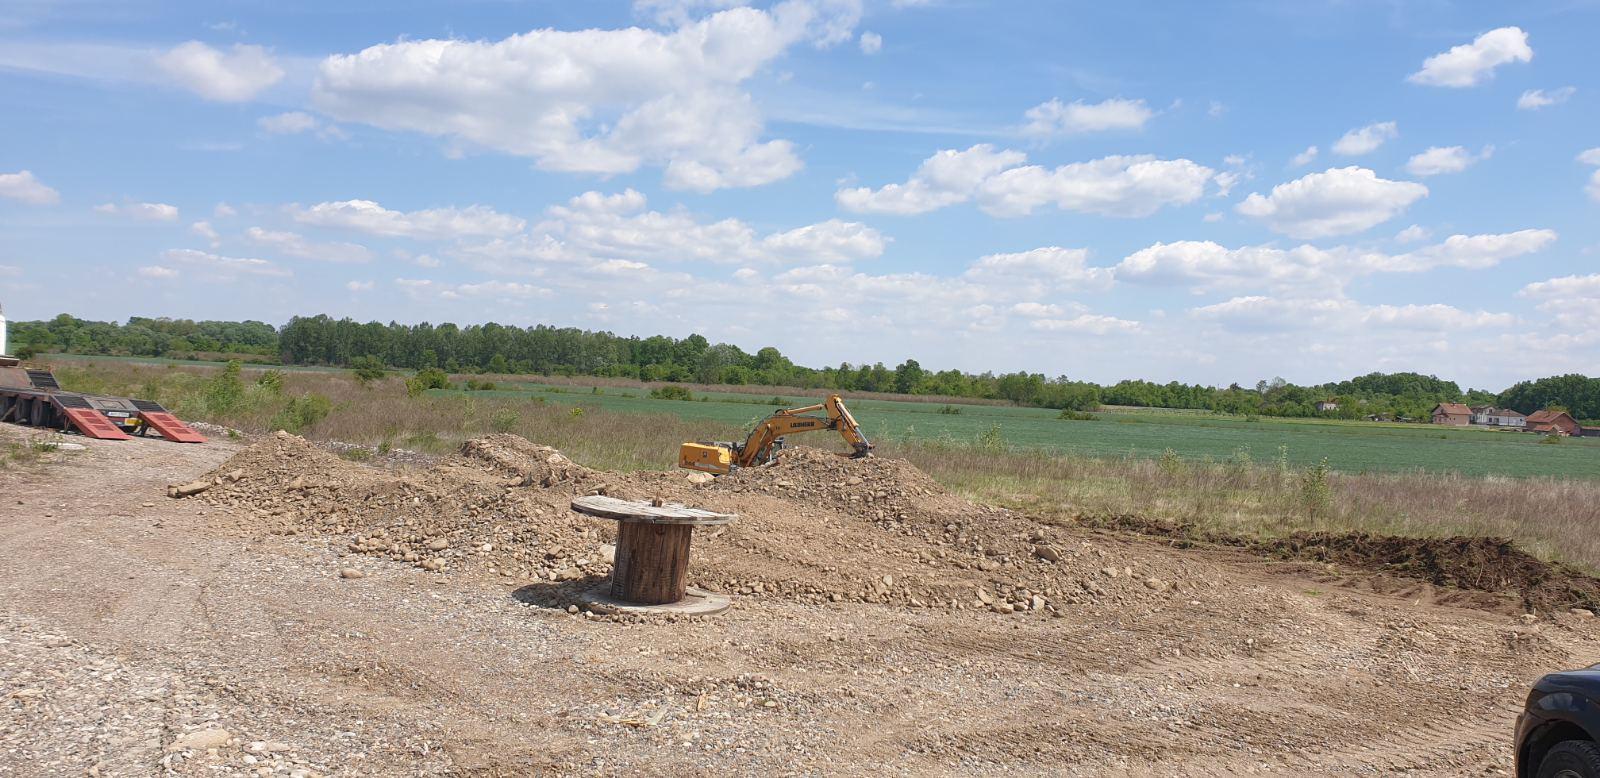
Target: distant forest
543,350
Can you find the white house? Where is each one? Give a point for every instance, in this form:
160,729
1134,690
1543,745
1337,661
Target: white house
1490,416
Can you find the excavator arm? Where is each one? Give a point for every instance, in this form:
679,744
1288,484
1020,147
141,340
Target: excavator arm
767,437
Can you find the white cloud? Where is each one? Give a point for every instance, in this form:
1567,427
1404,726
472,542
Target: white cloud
503,291
232,77
1052,268
10,271
1038,310
224,268
1438,160
431,224
295,245
595,101
1305,157
1057,118
1365,140
359,286
871,43
946,178
223,211
157,271
1472,63
24,187
593,228
291,123
1338,201
1257,313
205,230
152,212
1114,186
1574,288
1413,234
1091,324
1534,99
1206,266
1590,157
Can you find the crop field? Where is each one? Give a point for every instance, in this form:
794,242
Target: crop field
1351,447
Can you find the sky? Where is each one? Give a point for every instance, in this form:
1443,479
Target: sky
1201,192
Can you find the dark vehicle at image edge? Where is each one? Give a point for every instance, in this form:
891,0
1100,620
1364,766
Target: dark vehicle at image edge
1558,733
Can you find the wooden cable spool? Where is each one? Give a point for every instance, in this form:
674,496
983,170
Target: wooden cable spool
652,559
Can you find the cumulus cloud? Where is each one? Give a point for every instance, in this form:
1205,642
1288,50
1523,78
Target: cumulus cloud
231,77
1058,118
22,186
1052,267
359,286
1128,186
151,212
871,43
1338,201
502,291
1413,234
1473,63
223,268
1305,157
157,272
594,228
291,123
295,245
430,224
1257,313
1206,265
1088,323
205,230
1365,140
594,101
1534,99
1592,157
1438,160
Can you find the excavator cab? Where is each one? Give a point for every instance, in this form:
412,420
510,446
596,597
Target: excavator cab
764,442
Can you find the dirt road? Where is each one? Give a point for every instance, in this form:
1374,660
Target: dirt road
141,635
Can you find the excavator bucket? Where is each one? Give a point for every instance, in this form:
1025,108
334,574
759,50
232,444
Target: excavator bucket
706,458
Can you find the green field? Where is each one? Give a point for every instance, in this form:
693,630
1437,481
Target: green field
1348,446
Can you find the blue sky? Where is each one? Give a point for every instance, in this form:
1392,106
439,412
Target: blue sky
1177,191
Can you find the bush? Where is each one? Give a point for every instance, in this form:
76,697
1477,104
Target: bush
1315,492
992,440
425,379
474,385
302,413
368,368
952,410
1072,415
224,393
1552,439
271,381
671,392
505,420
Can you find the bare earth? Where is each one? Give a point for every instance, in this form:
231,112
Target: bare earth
141,635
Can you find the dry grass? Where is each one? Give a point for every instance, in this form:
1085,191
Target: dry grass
750,389
1552,518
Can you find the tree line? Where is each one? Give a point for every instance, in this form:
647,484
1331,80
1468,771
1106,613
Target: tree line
568,351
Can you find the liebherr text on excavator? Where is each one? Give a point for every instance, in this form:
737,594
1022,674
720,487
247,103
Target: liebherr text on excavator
766,439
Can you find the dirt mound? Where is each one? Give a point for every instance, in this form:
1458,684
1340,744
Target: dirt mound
1473,563
1478,563
813,527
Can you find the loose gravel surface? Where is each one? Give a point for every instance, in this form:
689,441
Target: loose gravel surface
364,621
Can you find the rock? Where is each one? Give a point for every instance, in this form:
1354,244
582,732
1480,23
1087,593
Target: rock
433,565
699,479
1109,572
888,580
1036,603
985,597
1047,553
351,572
438,544
201,740
1582,613
1155,583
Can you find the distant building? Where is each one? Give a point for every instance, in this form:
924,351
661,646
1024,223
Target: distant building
1452,414
1553,423
1590,432
1490,416
1328,405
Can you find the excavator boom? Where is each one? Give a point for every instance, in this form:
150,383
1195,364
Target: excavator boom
767,437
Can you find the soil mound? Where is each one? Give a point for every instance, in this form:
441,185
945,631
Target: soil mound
813,526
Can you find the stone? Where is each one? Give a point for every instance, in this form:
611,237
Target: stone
1109,572
1047,553
1036,603
985,597
351,572
1155,583
1582,613
699,479
201,740
438,544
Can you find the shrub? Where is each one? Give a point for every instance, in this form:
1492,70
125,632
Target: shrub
950,410
505,420
992,440
425,379
303,413
1316,494
368,368
1170,463
271,381
671,392
474,385
224,393
1552,439
1072,415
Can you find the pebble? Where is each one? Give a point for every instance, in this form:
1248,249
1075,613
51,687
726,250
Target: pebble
351,572
1047,553
201,740
438,544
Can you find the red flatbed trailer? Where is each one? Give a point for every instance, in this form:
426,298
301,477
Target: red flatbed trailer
33,397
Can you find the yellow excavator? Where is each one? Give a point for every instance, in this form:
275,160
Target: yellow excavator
767,439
